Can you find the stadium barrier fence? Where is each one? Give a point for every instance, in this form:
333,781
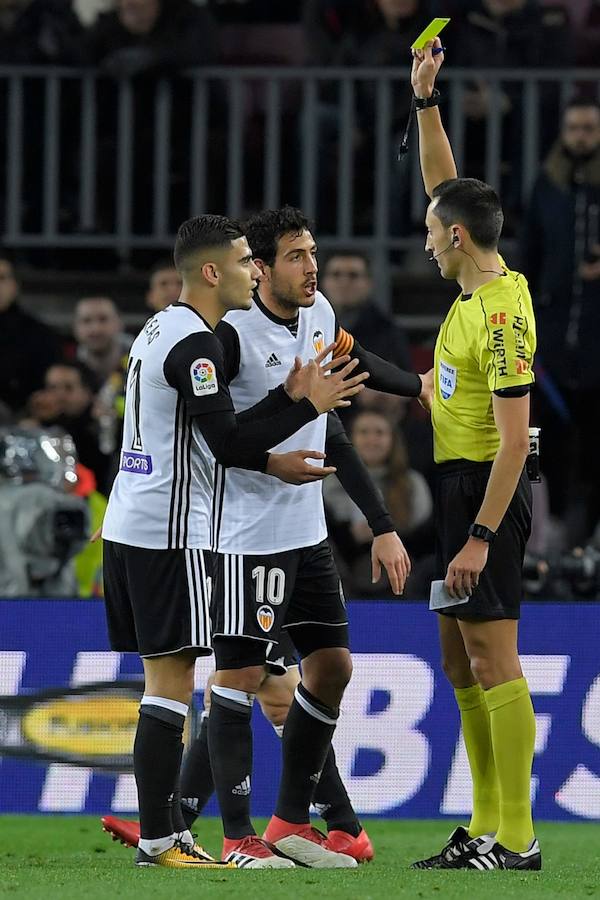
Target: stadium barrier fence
86,162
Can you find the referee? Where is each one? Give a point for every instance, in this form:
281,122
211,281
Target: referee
480,412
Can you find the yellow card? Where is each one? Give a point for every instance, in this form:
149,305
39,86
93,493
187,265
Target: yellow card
432,31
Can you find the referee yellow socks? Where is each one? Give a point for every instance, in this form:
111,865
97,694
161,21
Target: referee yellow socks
512,725
475,720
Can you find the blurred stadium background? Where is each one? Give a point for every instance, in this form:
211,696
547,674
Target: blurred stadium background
122,119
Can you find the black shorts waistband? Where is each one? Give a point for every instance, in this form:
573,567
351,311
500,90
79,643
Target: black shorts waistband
461,466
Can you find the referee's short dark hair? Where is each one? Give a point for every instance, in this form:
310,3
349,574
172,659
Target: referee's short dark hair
201,233
264,230
471,203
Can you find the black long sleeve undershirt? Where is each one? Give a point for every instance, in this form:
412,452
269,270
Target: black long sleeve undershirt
243,441
385,376
354,477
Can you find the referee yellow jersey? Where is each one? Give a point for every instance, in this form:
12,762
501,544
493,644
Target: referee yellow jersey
486,343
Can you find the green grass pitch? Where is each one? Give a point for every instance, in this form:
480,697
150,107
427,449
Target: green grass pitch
71,859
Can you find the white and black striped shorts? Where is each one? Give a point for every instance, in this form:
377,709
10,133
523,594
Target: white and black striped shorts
256,596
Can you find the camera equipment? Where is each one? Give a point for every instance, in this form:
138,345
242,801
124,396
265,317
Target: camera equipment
532,463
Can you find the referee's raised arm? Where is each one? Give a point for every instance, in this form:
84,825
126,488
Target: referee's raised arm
435,152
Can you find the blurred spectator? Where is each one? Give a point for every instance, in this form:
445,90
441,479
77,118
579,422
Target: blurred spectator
561,258
380,34
409,419
149,40
347,284
164,287
103,348
67,401
510,34
101,341
142,37
588,38
363,32
36,32
27,346
251,12
513,34
406,493
88,10
326,22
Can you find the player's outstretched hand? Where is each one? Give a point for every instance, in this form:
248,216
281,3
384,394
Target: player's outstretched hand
298,383
330,390
426,395
425,68
292,467
387,550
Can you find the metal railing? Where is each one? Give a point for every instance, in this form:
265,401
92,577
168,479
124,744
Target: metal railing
79,170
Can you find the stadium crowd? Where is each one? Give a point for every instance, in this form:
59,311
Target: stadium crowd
64,393
147,40
72,384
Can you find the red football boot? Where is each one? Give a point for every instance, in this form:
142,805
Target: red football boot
359,847
122,830
305,845
129,834
251,852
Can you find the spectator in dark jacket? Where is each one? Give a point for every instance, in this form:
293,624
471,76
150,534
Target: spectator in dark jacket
348,285
36,32
146,40
27,346
371,33
561,258
509,34
152,37
67,401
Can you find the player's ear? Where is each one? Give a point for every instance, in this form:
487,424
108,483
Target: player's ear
210,273
263,268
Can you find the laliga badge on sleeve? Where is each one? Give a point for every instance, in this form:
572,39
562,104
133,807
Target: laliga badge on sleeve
203,374
439,598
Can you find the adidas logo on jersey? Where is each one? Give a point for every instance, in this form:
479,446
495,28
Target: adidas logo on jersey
272,361
243,789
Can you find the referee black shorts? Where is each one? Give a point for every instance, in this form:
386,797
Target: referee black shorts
460,489
157,601
257,598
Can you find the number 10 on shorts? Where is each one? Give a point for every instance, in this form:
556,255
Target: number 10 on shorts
273,581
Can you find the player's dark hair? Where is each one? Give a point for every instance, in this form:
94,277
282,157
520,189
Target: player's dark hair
475,205
201,233
265,229
349,253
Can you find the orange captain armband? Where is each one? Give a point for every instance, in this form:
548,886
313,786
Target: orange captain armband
343,344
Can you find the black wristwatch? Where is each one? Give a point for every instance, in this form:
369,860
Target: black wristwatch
482,533
427,102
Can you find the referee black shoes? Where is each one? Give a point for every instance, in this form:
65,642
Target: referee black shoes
448,855
482,853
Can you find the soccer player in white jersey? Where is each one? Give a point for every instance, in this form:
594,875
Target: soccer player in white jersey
281,677
274,568
179,419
